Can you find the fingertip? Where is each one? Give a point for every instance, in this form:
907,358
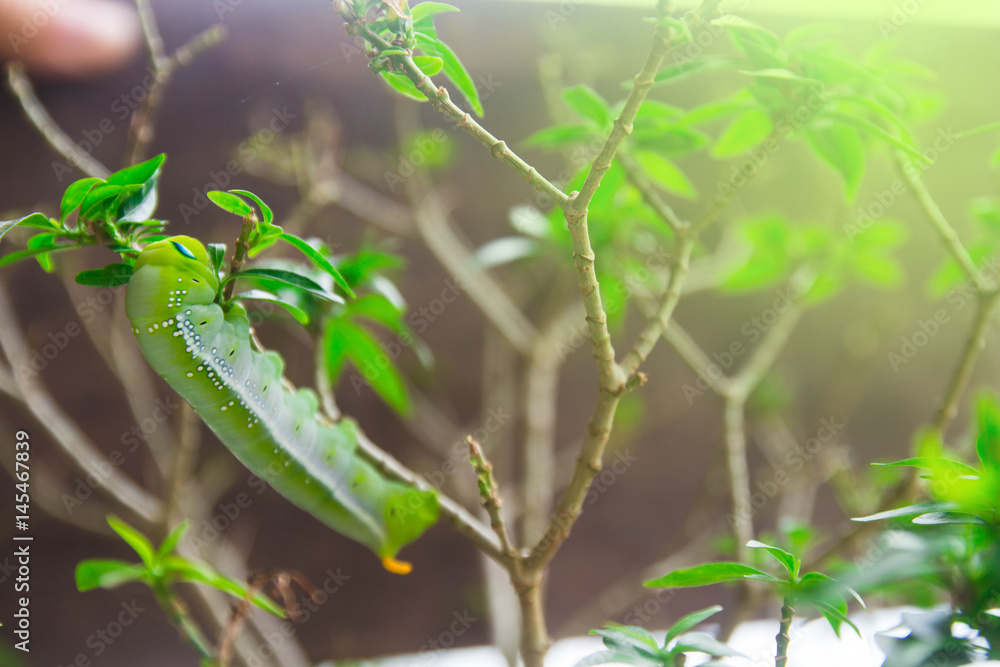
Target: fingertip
79,39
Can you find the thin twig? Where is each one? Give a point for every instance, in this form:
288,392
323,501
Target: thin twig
21,86
184,460
659,322
441,100
432,224
540,399
240,253
986,308
490,494
739,473
66,433
650,194
141,127
947,234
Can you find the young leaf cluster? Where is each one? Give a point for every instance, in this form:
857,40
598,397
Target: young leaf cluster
951,541
160,568
818,590
403,44
115,212
636,646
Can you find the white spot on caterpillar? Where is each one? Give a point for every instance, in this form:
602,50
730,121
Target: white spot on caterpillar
190,375
149,329
223,408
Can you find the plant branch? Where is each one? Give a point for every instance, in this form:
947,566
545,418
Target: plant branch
947,234
540,414
21,86
240,253
441,100
659,322
63,430
490,495
650,194
739,472
986,308
141,127
432,225
696,358
783,638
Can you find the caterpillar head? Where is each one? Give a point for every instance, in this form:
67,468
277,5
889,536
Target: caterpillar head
183,252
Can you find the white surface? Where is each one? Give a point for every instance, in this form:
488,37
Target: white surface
813,645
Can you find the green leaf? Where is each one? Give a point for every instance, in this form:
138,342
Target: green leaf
989,127
402,84
667,174
840,147
106,573
198,572
262,295
429,65
99,202
691,620
869,127
817,584
265,211
613,657
290,278
45,241
424,12
111,275
956,468
834,615
230,203
699,642
134,539
171,541
138,200
30,252
753,127
988,442
787,560
705,575
74,196
781,74
558,136
317,258
585,101
380,309
455,71
908,511
629,638
217,254
761,270
686,68
949,519
33,219
374,363
137,174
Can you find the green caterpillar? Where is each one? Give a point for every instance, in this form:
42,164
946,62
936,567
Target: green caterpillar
203,351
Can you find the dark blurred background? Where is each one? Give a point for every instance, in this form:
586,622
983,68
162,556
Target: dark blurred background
285,55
